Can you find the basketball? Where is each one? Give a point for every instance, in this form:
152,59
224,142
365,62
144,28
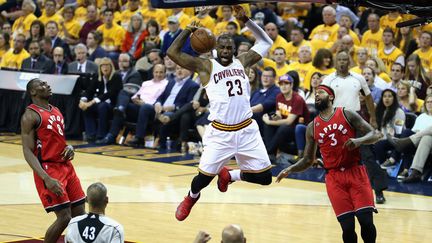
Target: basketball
202,40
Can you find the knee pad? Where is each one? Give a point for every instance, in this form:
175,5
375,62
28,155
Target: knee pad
262,178
200,181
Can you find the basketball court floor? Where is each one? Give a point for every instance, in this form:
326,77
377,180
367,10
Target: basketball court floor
145,187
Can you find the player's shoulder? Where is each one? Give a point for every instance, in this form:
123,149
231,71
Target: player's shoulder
110,222
76,219
356,75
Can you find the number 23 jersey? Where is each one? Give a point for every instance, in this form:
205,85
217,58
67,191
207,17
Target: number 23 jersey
228,91
331,136
50,139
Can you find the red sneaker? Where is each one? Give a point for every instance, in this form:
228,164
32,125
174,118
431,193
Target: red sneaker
224,179
184,208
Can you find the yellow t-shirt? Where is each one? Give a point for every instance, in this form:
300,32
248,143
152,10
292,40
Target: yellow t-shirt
385,77
279,71
56,18
313,70
81,15
220,27
356,69
112,37
292,54
156,14
389,59
208,22
126,16
73,27
322,35
99,3
355,37
23,24
11,60
372,42
302,69
184,20
279,42
425,58
386,21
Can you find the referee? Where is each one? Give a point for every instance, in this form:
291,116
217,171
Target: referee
95,226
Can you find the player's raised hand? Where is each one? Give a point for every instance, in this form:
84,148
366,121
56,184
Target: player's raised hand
54,186
240,13
68,153
351,144
193,26
284,173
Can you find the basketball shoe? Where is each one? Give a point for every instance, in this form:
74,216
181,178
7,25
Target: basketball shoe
224,179
185,207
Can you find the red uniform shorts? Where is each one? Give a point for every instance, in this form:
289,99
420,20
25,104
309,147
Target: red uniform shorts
72,191
349,190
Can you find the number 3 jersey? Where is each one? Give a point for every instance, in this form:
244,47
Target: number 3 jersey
331,136
50,139
95,228
228,91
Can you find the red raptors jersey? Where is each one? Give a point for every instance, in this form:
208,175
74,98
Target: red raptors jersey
331,135
50,139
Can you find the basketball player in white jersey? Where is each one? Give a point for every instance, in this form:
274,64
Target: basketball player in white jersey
232,131
95,226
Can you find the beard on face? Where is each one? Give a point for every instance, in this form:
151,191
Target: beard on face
323,104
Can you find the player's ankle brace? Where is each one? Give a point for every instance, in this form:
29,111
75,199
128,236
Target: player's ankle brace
262,178
200,181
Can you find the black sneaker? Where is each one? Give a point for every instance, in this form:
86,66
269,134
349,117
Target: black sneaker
379,197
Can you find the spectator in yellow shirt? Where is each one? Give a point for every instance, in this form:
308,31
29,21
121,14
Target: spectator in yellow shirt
132,9
14,57
360,61
157,14
372,39
113,35
303,65
322,63
279,64
115,7
50,13
346,22
182,17
390,20
227,16
390,53
71,27
205,20
23,23
425,50
278,41
327,32
297,40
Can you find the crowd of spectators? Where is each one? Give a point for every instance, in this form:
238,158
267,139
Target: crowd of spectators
124,43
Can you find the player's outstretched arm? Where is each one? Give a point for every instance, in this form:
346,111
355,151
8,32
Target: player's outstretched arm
183,59
263,42
366,131
29,122
307,160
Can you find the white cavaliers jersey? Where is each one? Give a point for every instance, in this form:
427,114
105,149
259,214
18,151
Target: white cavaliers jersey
95,228
228,93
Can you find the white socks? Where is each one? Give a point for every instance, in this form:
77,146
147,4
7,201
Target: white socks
192,195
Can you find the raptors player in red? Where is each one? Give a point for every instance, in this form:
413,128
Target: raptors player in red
347,182
46,151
